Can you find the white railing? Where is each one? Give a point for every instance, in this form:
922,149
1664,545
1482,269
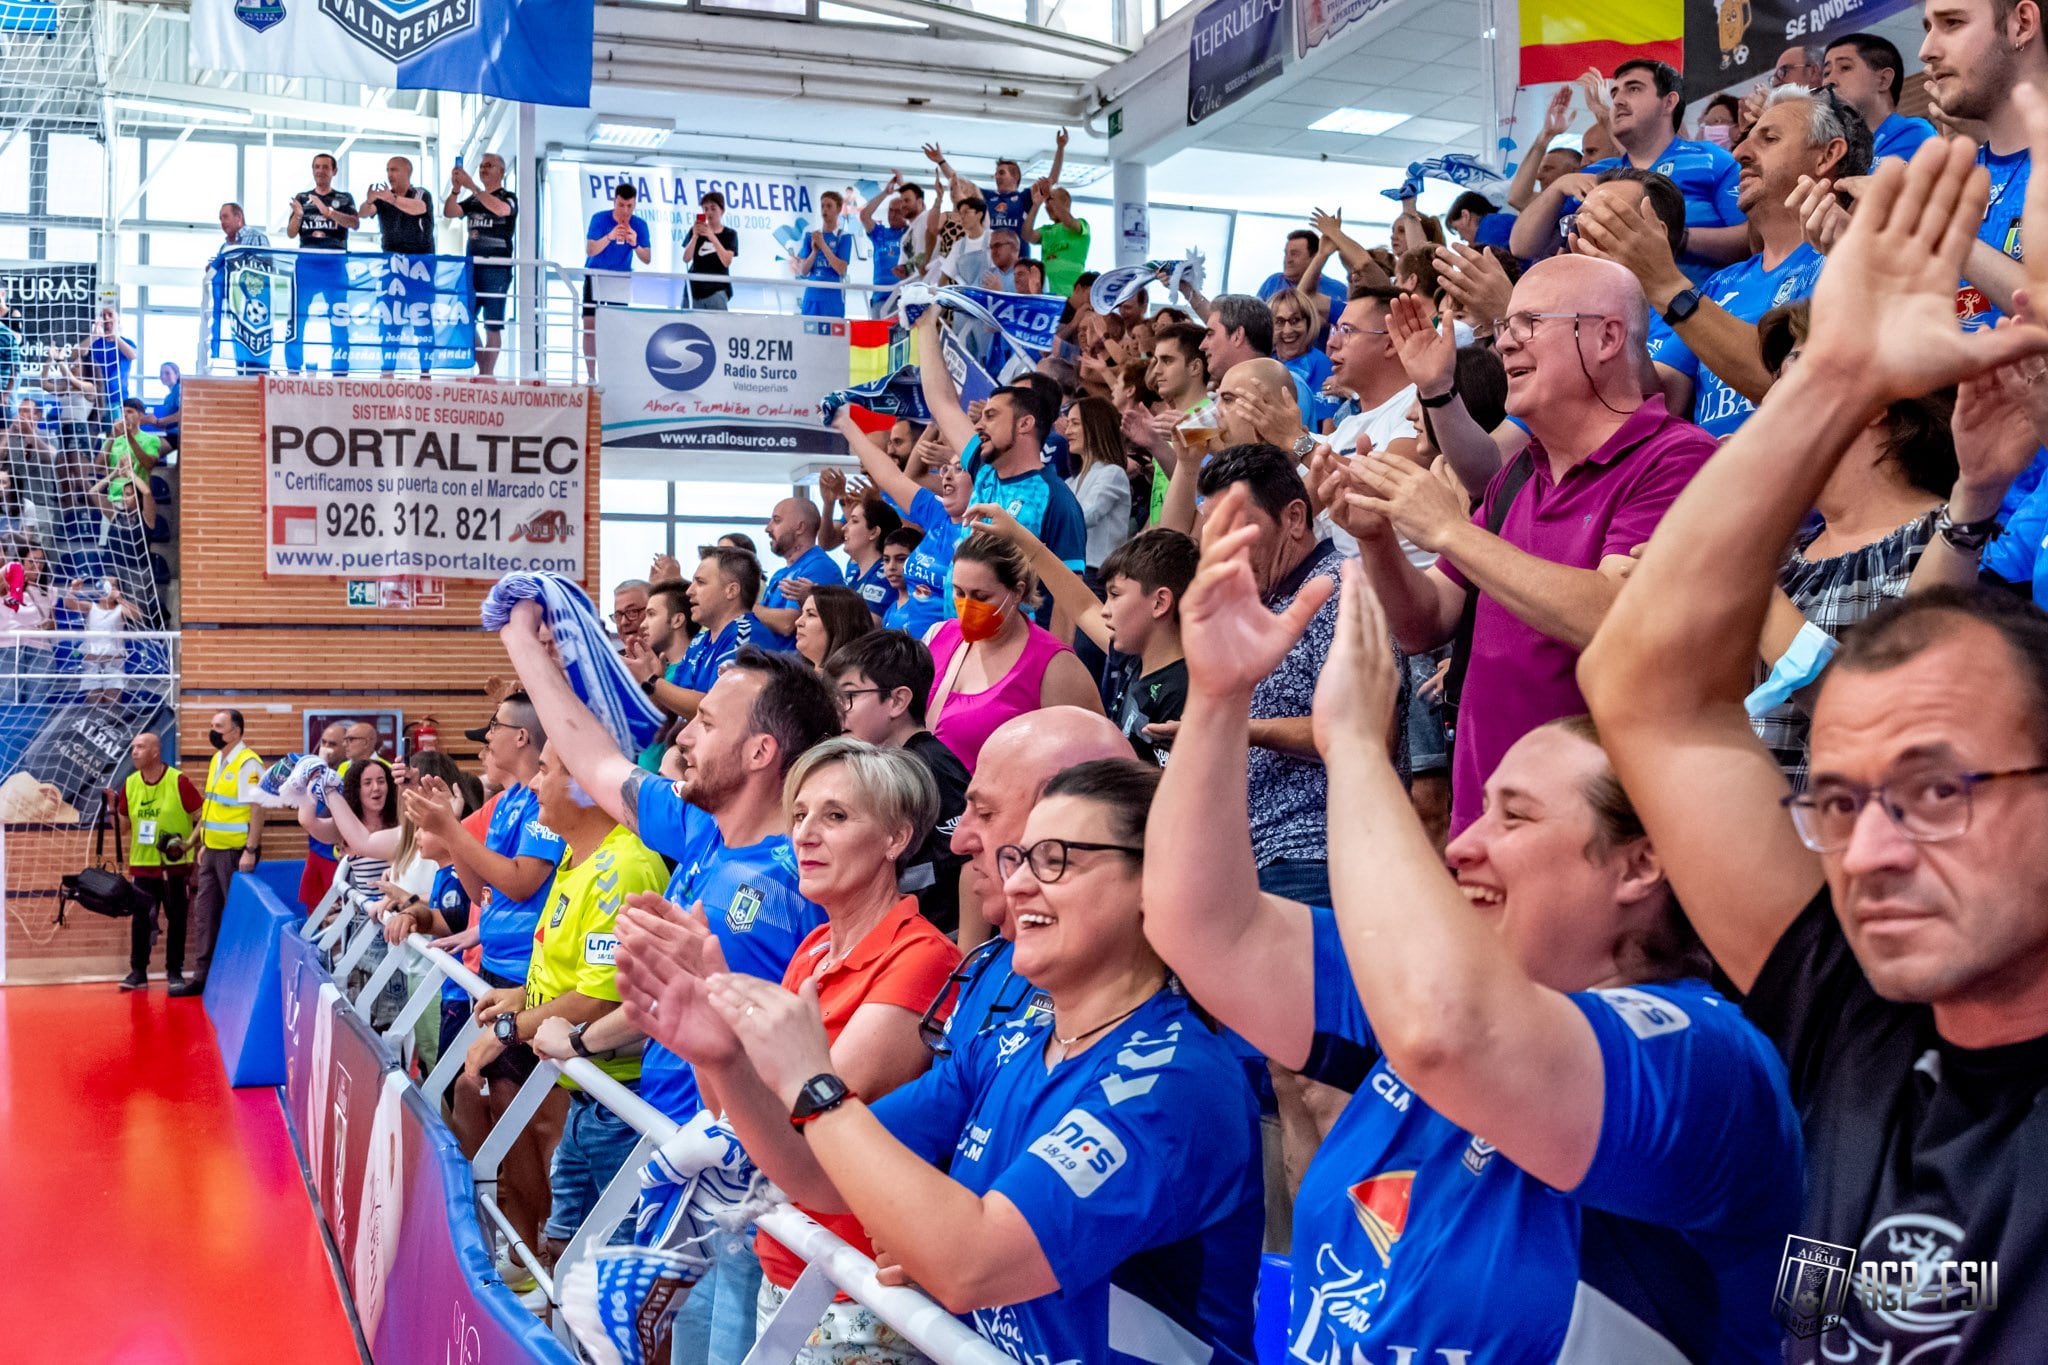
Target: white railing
833,1266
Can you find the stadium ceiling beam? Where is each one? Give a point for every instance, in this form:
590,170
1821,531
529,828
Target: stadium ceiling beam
353,117
1009,33
722,76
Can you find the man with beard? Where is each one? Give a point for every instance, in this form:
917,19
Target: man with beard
1976,53
793,533
723,826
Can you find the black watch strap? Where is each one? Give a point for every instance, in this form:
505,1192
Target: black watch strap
820,1094
1441,400
1683,305
1966,536
576,1043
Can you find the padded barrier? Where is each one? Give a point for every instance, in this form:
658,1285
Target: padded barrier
241,987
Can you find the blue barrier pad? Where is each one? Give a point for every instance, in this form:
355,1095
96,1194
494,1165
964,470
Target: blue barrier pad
1269,1328
242,995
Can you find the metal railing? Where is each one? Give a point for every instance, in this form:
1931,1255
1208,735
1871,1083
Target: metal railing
832,1265
543,336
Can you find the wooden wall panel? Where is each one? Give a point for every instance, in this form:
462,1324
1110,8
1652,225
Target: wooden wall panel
271,648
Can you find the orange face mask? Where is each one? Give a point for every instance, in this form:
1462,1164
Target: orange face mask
979,620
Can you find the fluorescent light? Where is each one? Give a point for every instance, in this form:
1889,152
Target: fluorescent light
639,134
180,109
1074,175
1361,122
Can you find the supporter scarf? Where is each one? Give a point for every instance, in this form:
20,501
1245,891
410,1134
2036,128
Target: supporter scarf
1113,286
897,395
1456,167
600,680
1025,322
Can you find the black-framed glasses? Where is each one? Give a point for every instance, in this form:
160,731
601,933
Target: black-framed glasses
847,694
629,614
495,724
1929,806
935,1024
1520,327
1048,858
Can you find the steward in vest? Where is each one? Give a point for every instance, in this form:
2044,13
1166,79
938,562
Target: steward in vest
230,832
159,804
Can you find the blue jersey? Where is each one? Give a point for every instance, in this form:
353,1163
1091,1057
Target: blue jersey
873,587
710,651
928,573
1310,369
1706,175
1747,290
452,901
1899,136
888,244
826,303
2001,230
1494,230
1007,209
616,255
813,564
507,925
1136,1165
1043,506
751,900
2020,554
113,368
1669,1249
993,994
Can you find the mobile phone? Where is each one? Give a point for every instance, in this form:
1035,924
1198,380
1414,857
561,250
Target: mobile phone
701,218
458,162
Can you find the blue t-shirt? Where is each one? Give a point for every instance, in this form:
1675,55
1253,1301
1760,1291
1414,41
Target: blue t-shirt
751,899
615,255
2001,230
1335,291
2020,554
888,244
1668,1249
113,368
928,573
1007,209
1494,230
1310,369
826,303
1706,175
448,897
1747,290
813,564
507,925
1136,1165
709,651
169,409
873,587
992,994
1043,506
1899,135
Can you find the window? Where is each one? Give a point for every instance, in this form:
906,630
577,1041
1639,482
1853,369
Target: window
626,548
192,181
78,176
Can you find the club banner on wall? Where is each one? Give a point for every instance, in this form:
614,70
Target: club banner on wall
719,381
1235,47
343,310
772,215
1318,21
1733,42
513,49
367,478
50,307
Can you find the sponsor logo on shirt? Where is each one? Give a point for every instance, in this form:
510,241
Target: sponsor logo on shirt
974,1142
1388,1087
1913,1291
744,910
1646,1015
561,909
1813,1286
1478,1155
1381,1203
1082,1150
601,950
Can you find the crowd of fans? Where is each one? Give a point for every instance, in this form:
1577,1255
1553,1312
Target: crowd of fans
1526,804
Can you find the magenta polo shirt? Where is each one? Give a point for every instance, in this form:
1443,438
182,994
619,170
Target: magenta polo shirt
1607,504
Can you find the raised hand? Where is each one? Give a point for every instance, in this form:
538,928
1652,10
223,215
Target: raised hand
1417,504
1328,224
664,958
1231,637
1475,278
783,1034
832,483
1999,417
1557,115
664,568
933,154
1821,218
1428,355
1634,238
1356,690
1059,139
991,517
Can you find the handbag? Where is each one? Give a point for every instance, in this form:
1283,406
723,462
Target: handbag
101,888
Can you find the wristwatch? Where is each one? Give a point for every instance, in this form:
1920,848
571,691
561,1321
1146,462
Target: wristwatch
1966,536
506,1028
820,1095
1439,400
1304,446
1683,305
576,1039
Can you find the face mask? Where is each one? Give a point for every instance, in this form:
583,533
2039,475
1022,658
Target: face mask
1462,330
1718,133
217,739
979,620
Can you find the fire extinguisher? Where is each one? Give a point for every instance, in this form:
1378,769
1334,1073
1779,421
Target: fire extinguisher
426,737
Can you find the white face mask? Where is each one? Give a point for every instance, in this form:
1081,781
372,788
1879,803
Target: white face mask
1462,330
1720,134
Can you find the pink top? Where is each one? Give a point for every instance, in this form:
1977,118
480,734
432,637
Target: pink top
971,717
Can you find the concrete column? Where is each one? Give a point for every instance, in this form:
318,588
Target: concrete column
1133,219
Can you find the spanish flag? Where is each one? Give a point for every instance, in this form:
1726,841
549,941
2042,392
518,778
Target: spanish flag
875,350
1561,38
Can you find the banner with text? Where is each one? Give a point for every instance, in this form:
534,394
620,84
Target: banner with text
1734,42
1318,21
375,477
343,310
513,49
50,308
719,381
1235,47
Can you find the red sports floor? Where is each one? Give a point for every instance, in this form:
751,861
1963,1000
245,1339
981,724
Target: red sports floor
149,1213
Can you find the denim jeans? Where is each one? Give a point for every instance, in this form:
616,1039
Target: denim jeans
1297,879
716,1323
595,1144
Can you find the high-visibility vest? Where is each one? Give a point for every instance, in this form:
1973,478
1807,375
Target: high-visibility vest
156,812
226,814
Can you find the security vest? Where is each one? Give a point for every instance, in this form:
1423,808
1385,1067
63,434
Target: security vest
226,814
155,813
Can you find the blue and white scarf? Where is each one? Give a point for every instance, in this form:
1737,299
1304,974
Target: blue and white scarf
600,680
1123,282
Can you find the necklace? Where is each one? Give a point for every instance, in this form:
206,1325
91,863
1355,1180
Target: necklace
1066,1043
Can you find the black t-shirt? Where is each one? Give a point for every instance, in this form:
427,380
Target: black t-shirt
1917,1151
1145,700
491,234
704,261
405,233
317,231
938,897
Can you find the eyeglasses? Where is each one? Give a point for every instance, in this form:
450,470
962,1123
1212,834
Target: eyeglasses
847,694
1520,327
629,614
1345,329
935,1024
495,724
1048,858
1928,806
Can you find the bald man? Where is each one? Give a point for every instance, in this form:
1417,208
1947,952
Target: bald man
359,741
1602,466
793,533
1256,402
1019,759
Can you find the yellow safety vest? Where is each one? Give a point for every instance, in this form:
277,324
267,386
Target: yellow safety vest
226,814
155,813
